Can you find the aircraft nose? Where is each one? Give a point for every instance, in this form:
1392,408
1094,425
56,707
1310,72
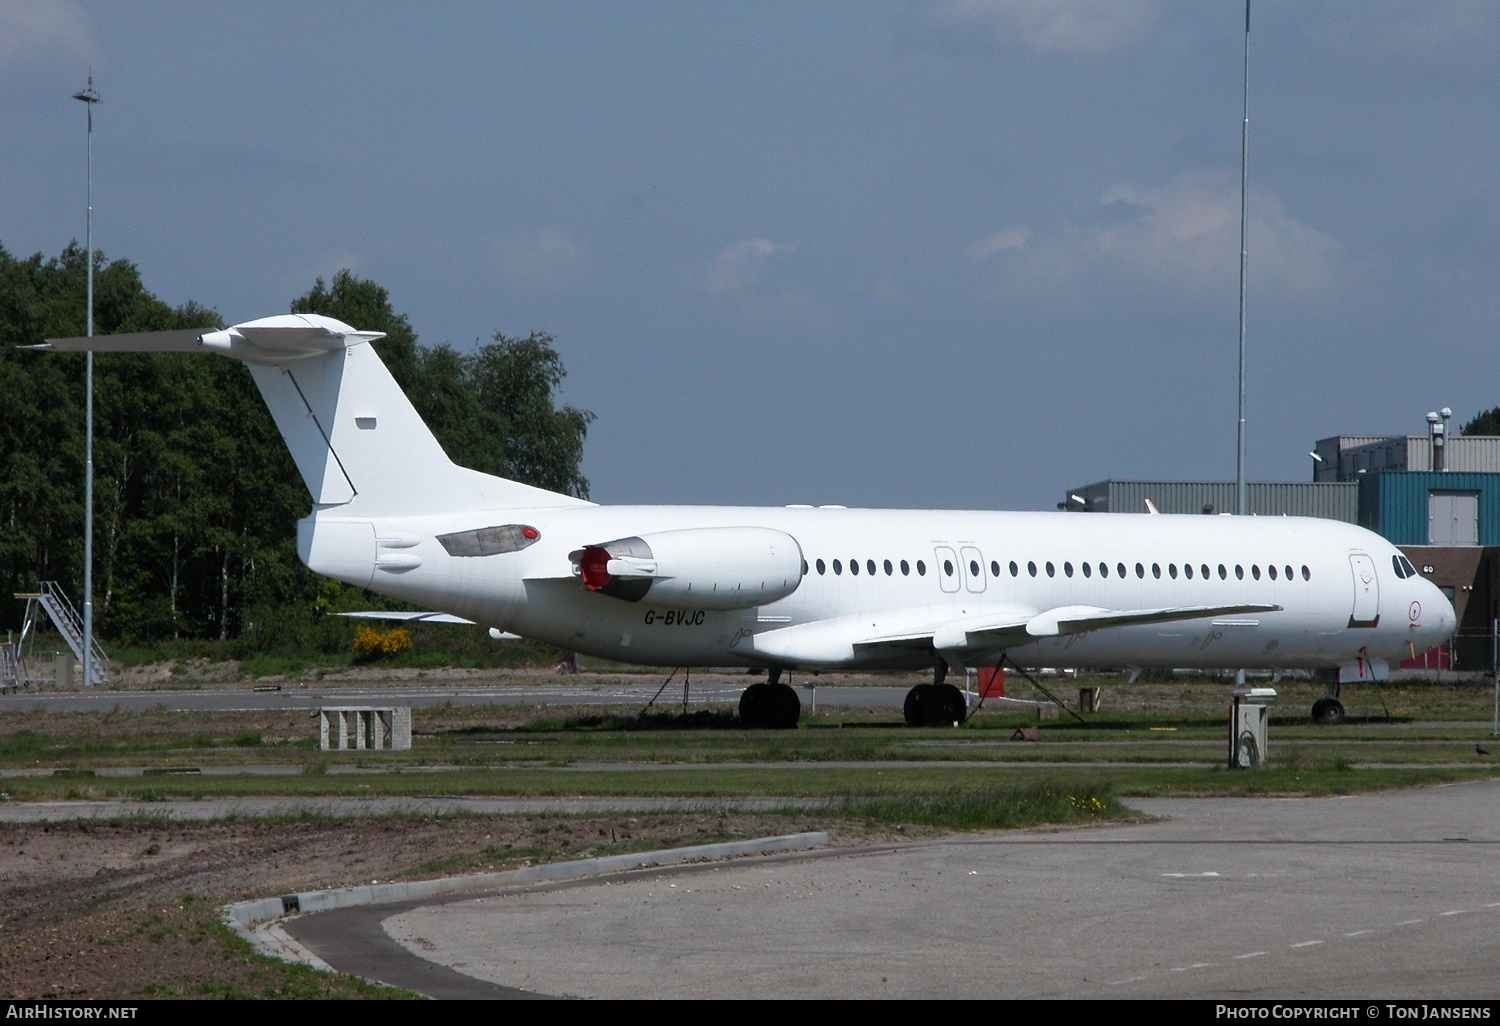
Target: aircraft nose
1445,620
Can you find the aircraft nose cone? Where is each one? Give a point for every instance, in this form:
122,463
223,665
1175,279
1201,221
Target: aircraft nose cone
1446,621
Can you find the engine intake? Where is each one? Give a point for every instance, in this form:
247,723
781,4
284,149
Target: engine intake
697,568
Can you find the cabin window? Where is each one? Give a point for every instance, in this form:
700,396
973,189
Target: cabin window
1289,574
870,566
821,568
905,568
889,570
1015,571
1306,573
1206,574
1172,571
1051,570
1156,570
1031,568
1140,571
994,568
1103,569
1223,573
804,568
838,567
947,568
1121,568
1067,569
1088,569
1239,572
1187,570
1272,571
854,567
1255,570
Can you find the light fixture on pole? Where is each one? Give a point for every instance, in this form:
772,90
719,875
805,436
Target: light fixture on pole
89,97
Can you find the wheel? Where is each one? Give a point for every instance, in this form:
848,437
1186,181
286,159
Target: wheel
769,707
783,707
1328,711
918,702
753,705
948,706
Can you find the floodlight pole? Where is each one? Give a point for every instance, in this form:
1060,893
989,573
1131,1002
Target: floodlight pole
1241,502
89,97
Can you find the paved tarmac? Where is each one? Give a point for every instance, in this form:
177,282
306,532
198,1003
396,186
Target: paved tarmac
1365,897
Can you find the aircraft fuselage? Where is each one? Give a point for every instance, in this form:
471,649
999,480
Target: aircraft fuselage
885,573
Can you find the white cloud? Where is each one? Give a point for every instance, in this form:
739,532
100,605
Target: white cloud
741,265
1008,238
1067,27
545,258
1181,238
31,30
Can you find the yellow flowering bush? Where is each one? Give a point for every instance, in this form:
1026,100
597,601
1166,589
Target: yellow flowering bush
377,642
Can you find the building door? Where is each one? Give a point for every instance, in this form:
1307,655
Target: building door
1452,518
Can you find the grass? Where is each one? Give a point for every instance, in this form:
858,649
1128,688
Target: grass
987,805
792,783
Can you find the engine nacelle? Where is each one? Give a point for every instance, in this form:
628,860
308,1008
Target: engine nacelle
695,568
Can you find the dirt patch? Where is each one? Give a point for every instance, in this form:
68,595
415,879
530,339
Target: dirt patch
126,910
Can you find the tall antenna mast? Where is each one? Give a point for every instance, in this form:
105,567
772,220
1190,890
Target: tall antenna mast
1241,501
89,98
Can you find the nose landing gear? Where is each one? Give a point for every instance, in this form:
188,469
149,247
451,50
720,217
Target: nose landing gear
1328,711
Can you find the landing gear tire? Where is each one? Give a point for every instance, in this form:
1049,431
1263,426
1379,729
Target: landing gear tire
915,706
770,707
935,705
1328,711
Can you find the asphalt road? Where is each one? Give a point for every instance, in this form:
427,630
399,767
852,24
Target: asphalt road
1366,897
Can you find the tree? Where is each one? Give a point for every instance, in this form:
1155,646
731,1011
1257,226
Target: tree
1486,423
515,378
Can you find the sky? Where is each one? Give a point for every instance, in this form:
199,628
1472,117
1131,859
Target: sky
914,253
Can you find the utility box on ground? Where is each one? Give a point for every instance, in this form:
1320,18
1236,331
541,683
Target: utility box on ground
1248,717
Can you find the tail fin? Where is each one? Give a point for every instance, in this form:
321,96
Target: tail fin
355,437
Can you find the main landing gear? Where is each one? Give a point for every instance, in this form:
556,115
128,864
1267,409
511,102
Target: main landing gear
938,704
770,706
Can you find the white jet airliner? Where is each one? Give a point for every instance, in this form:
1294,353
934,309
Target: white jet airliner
805,588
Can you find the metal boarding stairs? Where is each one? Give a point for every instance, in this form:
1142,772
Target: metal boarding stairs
15,658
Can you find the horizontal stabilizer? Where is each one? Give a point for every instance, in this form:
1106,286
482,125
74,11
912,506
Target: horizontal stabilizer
186,340
382,614
282,339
